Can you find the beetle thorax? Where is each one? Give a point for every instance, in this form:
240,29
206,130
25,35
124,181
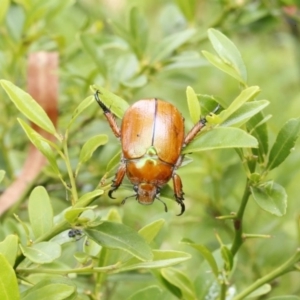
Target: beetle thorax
146,193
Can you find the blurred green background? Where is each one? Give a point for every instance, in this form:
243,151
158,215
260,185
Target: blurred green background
97,45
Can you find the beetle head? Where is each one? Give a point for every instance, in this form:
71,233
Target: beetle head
146,193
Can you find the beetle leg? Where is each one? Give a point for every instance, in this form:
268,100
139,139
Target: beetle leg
194,131
118,179
178,193
109,116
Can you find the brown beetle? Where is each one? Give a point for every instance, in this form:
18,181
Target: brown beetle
152,137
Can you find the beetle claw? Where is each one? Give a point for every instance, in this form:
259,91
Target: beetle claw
110,194
182,208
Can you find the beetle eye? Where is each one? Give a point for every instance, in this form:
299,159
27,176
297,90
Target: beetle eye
135,188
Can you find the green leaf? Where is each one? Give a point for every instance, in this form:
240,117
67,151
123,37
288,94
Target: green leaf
161,259
94,51
287,297
115,160
271,197
72,214
245,112
2,174
28,106
40,211
3,9
149,293
91,145
284,143
42,144
188,8
116,104
9,248
180,280
118,236
208,256
258,129
42,253
221,137
246,95
87,196
193,104
185,60
139,31
150,231
220,64
49,289
80,108
8,282
227,257
262,290
228,52
163,49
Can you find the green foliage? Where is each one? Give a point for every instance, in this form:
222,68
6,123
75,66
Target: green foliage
69,226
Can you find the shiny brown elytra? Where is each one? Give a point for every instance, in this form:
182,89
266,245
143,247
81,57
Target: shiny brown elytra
152,138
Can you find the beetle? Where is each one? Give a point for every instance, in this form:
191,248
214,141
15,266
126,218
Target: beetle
152,138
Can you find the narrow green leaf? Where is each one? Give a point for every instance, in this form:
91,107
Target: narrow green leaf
115,160
49,289
271,197
91,145
86,197
9,248
221,137
40,211
262,290
179,279
72,214
286,297
227,257
118,236
161,259
246,95
163,49
227,51
258,129
149,293
139,31
2,174
80,108
245,112
96,53
42,253
284,143
150,231
3,9
42,144
28,106
188,8
8,281
116,104
220,64
193,104
185,60
208,256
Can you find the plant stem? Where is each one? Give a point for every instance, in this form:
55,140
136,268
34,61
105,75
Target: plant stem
74,198
238,222
284,268
85,270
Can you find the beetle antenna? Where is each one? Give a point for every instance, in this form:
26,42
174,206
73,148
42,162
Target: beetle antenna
124,200
166,208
